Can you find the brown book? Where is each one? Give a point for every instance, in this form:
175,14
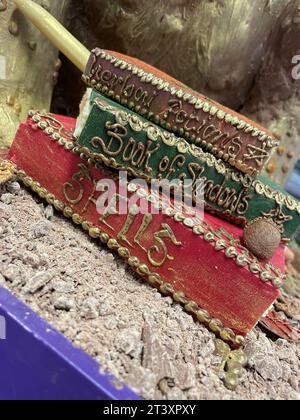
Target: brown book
162,99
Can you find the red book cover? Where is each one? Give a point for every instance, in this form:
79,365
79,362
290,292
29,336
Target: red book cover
202,265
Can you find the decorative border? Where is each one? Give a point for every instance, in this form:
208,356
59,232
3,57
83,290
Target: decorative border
198,104
6,171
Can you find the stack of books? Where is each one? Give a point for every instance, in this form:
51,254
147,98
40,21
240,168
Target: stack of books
137,129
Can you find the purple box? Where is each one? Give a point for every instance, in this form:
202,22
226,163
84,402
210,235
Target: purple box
37,362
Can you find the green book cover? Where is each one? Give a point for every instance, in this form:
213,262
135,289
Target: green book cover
124,140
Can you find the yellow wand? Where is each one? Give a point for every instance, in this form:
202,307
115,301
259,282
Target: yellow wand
63,40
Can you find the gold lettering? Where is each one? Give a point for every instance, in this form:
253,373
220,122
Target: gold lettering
141,95
227,198
154,95
117,135
128,91
214,193
146,222
111,209
91,199
124,84
181,117
235,147
138,154
177,162
129,150
145,161
122,235
203,124
244,205
76,186
98,72
115,80
209,132
195,171
160,247
106,76
157,253
190,119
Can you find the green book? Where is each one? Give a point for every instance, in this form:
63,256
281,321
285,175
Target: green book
124,140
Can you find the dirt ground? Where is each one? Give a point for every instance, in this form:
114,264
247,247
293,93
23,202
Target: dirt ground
141,337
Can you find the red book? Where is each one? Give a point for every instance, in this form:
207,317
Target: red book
202,265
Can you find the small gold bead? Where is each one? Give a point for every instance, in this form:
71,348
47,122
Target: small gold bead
35,187
27,181
143,269
215,326
191,307
104,237
133,262
58,205
85,225
13,27
123,252
227,335
67,212
94,232
203,316
180,298
231,381
239,356
239,340
222,348
77,219
166,289
234,367
50,199
154,279
42,192
281,150
32,45
112,244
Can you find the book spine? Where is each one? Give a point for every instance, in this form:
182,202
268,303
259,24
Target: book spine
165,101
123,140
200,265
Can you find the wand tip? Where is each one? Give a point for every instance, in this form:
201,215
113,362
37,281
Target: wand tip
62,39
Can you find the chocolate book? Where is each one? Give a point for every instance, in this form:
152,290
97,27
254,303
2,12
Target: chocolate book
162,99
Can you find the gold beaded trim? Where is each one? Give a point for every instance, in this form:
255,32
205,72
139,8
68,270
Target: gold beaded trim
236,252
153,279
6,171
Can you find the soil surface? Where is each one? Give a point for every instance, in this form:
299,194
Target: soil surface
141,337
